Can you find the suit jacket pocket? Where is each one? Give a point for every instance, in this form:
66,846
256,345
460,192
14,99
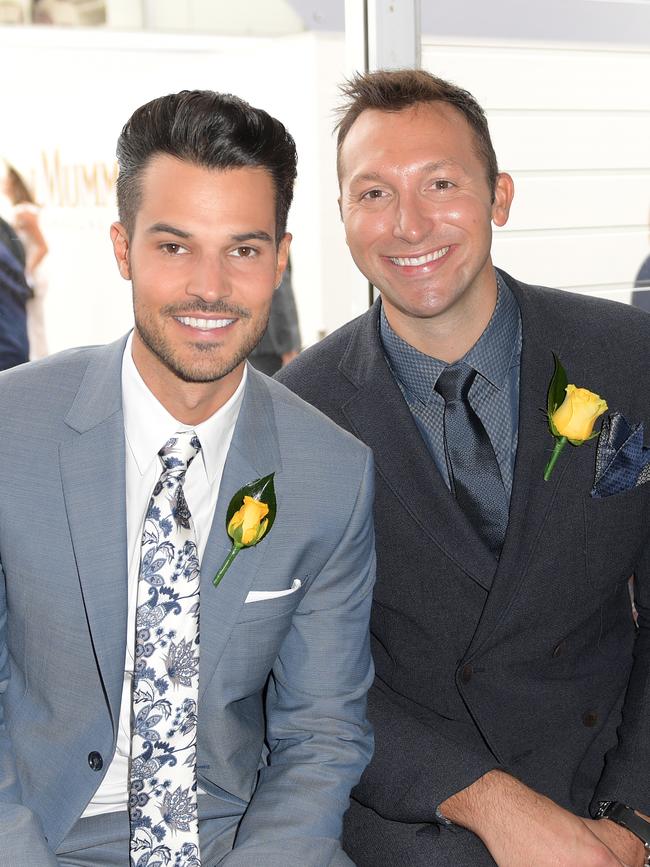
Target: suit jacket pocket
276,604
616,529
266,595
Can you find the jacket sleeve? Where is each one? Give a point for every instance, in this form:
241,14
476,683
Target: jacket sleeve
317,730
625,777
416,765
22,842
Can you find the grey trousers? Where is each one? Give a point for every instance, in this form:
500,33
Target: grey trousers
103,841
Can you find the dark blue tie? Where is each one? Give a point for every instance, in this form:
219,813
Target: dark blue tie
474,473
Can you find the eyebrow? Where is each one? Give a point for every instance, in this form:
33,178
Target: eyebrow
252,236
428,167
168,229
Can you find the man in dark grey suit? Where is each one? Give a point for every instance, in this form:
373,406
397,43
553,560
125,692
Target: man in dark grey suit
512,696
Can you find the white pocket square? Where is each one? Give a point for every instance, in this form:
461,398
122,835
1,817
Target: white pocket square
262,595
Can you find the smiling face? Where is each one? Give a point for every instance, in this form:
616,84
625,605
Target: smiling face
417,210
203,264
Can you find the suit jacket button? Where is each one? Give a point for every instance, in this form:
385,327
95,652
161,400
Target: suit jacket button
95,761
559,649
466,672
590,718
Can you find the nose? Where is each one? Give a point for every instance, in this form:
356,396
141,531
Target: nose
413,219
209,280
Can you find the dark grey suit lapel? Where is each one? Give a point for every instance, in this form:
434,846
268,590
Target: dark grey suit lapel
402,458
93,477
254,452
532,498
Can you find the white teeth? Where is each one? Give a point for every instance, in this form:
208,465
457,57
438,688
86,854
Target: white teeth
204,324
420,260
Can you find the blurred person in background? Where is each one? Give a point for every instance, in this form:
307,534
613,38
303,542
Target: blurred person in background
281,341
25,219
14,293
642,282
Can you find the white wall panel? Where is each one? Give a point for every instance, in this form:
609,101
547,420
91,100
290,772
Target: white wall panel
572,125
582,259
580,200
571,140
535,76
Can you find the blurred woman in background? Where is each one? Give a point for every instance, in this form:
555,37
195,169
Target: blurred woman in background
25,220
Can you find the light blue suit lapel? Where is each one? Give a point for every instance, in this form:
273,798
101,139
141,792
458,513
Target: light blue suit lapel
93,477
254,452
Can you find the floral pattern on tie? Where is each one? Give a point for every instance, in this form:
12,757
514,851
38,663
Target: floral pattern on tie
163,796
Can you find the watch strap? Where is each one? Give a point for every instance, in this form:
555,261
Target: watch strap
627,817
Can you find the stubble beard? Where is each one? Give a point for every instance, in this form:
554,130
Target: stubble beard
213,366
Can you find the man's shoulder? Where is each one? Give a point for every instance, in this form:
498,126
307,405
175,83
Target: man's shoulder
61,365
335,344
300,422
586,313
47,387
326,370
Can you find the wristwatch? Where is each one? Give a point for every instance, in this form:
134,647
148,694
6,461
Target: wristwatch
628,818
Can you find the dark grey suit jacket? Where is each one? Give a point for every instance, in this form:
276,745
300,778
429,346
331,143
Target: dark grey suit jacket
533,665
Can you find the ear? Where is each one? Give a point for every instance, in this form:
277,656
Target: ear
504,192
340,211
283,257
120,239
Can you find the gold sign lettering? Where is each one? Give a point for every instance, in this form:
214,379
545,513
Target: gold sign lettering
74,185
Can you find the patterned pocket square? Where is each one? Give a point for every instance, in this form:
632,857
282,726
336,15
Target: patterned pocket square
622,461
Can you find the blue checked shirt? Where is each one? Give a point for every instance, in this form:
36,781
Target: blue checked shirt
494,395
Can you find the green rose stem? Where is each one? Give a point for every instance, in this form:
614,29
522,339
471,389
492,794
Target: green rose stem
227,563
250,516
559,445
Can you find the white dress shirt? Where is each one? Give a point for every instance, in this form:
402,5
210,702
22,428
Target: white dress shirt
147,427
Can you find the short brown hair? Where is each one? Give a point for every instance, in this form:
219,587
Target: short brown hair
398,89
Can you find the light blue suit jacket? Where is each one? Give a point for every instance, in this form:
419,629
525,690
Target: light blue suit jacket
282,732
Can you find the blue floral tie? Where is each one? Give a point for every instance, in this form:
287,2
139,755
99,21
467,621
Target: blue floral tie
162,796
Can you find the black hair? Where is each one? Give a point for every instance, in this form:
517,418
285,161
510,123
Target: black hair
214,130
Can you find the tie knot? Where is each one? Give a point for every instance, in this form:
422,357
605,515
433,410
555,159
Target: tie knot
179,451
455,382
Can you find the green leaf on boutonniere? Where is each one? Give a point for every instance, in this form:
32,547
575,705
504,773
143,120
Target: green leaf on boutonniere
249,518
556,392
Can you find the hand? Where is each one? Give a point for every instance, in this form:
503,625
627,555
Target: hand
622,842
520,827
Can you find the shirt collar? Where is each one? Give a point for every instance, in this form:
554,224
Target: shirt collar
492,353
148,425
491,356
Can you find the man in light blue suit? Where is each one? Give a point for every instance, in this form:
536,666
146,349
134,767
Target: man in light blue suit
278,730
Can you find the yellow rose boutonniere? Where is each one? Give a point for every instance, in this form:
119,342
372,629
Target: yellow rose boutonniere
572,413
248,524
249,518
